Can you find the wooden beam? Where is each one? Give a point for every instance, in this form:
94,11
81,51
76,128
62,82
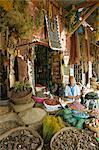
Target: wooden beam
83,19
76,8
44,43
85,4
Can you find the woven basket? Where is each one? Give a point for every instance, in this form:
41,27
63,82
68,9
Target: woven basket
92,128
23,128
55,135
22,107
22,100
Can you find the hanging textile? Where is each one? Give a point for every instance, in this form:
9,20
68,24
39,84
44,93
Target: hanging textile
12,73
36,10
87,44
86,49
75,49
72,50
53,32
62,30
84,55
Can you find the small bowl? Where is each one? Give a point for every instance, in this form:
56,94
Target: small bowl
38,99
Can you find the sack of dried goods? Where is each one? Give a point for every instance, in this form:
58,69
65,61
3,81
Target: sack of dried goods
32,116
4,110
22,107
70,138
9,121
73,117
21,138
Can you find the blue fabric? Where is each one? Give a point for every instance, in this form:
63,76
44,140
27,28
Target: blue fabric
72,90
80,29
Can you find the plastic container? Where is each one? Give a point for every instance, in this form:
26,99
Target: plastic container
38,99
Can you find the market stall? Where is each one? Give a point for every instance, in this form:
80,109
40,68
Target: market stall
41,43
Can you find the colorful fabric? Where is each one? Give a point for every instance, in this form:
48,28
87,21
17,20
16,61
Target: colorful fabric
53,32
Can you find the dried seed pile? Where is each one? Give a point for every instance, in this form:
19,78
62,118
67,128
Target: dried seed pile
20,140
73,139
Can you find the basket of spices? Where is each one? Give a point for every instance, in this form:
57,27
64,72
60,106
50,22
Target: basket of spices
52,104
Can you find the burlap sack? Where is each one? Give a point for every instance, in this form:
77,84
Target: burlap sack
9,121
9,117
6,126
4,110
32,116
22,107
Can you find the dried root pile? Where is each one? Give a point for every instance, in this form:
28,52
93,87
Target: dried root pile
20,140
73,139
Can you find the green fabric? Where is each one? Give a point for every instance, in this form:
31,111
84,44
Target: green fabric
80,123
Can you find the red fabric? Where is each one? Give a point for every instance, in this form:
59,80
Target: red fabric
39,33
87,42
75,49
68,46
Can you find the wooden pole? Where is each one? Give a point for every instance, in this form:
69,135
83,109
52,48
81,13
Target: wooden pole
83,19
